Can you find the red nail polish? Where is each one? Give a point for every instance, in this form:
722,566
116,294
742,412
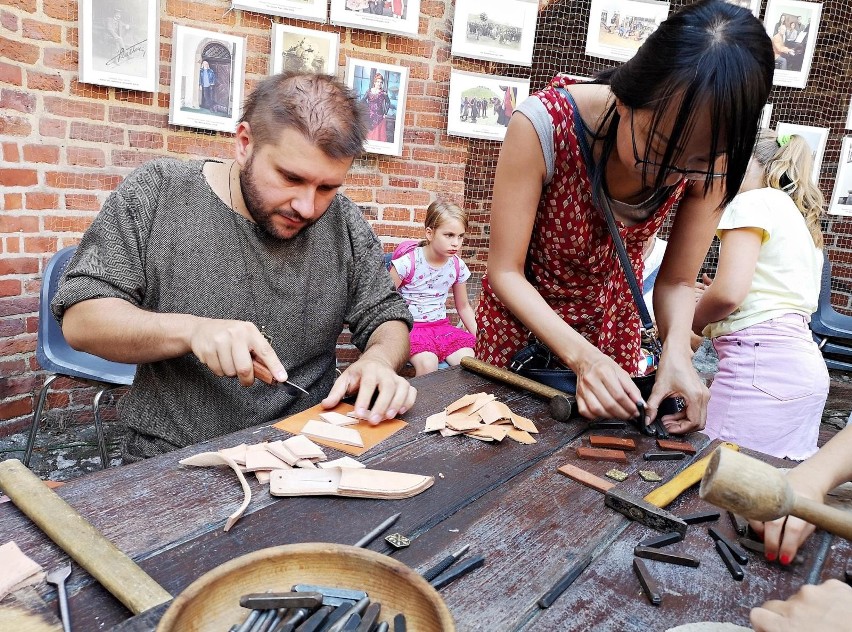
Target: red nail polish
785,559
770,557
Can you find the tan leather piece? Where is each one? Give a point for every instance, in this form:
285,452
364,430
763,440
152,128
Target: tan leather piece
342,462
494,411
463,423
258,457
213,459
438,421
521,436
358,483
337,419
18,569
282,452
262,476
324,430
304,448
497,433
522,423
238,453
481,400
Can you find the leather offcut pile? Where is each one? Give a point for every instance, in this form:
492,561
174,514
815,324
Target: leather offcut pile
482,417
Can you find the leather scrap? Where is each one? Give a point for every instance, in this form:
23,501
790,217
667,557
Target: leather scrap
18,569
214,459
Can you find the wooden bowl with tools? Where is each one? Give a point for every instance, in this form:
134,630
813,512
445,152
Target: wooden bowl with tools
212,602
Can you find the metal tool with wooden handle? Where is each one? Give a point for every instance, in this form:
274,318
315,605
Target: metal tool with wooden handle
665,494
561,404
758,491
78,538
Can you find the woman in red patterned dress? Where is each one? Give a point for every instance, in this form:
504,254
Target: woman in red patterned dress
674,125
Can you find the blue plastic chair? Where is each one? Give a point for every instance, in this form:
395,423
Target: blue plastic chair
832,330
56,356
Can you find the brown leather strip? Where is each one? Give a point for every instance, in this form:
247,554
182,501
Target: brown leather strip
616,443
601,454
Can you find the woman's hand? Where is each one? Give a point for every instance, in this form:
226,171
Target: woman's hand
677,378
604,389
823,608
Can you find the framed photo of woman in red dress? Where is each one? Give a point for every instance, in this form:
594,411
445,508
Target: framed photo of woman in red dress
382,88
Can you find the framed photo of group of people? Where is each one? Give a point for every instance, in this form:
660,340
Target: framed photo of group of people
386,16
480,106
617,28
314,10
792,25
495,30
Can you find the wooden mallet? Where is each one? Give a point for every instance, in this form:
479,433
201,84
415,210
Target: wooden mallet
758,491
560,404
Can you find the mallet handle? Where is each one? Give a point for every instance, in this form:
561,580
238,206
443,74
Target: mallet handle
512,379
831,519
665,494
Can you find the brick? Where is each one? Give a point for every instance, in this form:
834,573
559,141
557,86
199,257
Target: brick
425,104
199,146
433,8
18,177
435,121
11,73
17,305
10,326
36,30
9,21
359,195
39,245
66,224
200,12
41,201
616,443
13,201
404,183
365,39
53,128
86,156
16,100
19,385
18,223
366,179
31,324
10,287
393,214
11,408
585,478
89,90
451,173
61,58
44,82
24,5
416,136
600,454
11,153
41,153
439,155
74,108
418,170
411,198
82,201
417,70
88,181
134,96
97,133
408,46
130,158
19,51
60,9
131,116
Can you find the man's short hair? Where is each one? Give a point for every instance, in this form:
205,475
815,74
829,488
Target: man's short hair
321,108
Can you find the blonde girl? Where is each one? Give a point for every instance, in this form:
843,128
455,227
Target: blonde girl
424,276
772,382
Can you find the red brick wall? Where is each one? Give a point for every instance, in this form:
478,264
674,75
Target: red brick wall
66,145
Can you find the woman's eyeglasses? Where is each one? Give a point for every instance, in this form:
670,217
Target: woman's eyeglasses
655,167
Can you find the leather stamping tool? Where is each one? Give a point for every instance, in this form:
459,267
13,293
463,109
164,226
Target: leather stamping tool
739,523
681,559
728,558
659,541
397,540
759,547
607,424
664,456
711,515
735,550
649,586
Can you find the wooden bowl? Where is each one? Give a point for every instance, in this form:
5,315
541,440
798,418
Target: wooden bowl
212,602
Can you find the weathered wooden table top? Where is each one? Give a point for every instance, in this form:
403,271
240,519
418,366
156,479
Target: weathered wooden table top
505,500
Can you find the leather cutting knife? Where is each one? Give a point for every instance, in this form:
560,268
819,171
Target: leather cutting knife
265,375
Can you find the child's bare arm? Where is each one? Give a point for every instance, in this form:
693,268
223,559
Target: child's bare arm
463,307
395,276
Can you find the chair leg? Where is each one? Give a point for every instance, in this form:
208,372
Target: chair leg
99,428
42,396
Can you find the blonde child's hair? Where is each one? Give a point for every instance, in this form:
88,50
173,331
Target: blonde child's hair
440,212
787,166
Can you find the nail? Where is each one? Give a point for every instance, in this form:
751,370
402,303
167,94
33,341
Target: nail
770,556
374,419
785,559
281,376
391,413
361,412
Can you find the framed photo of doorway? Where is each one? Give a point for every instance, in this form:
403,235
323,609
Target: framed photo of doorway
383,89
207,79
119,43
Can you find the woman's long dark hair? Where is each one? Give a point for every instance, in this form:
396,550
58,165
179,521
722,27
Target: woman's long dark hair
711,54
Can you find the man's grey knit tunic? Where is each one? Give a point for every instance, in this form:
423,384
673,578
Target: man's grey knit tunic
165,242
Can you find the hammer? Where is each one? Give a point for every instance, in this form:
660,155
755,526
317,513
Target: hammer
560,404
758,491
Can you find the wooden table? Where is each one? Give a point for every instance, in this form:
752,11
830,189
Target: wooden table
505,500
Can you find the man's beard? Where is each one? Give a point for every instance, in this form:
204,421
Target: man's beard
263,218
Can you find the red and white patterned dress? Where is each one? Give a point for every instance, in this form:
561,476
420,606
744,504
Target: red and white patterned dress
571,259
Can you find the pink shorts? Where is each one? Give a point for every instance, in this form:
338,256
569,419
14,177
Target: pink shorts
440,338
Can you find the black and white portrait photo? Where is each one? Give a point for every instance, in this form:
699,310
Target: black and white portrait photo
119,43
617,28
296,49
495,30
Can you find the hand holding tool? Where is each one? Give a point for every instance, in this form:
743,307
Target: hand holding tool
560,404
57,578
265,376
758,491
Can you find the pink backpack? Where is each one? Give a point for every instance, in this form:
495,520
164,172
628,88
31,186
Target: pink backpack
408,247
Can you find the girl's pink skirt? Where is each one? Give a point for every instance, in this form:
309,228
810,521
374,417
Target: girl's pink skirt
440,338
770,390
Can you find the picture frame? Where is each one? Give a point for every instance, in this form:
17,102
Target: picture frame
195,53
849,115
495,30
794,46
617,28
119,43
751,5
841,197
401,17
766,116
312,10
817,138
303,50
481,105
385,102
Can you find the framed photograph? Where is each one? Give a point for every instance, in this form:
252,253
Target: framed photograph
841,198
817,137
751,5
617,28
793,26
314,10
765,116
386,16
303,50
207,79
383,89
495,30
480,106
849,115
119,43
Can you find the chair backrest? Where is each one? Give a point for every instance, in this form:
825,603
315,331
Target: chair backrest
824,303
53,353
